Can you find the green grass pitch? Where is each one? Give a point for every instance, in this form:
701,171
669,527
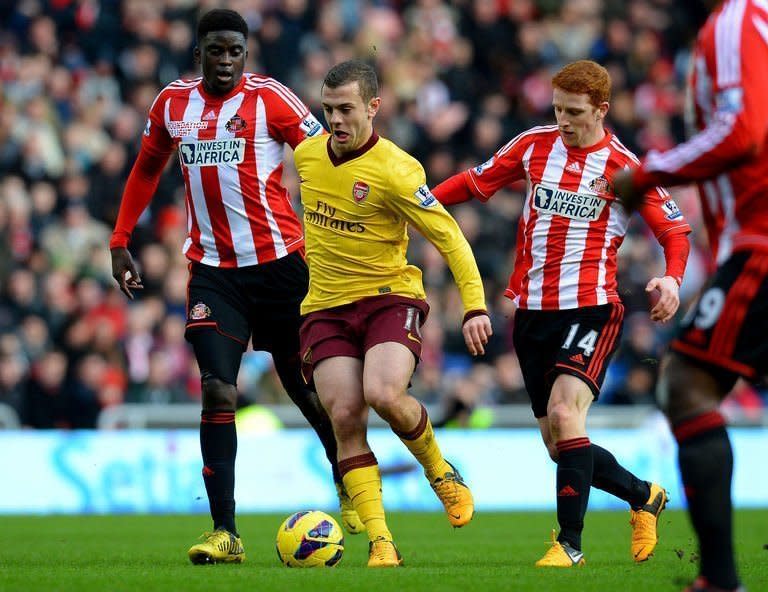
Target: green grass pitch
495,552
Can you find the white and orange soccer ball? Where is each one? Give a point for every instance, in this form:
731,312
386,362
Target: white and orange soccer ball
310,539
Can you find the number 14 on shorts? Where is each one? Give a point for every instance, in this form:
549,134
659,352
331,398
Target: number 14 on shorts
587,342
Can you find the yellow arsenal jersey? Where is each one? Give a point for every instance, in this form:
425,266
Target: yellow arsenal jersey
356,212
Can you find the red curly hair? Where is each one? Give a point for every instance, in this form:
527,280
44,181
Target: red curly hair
585,77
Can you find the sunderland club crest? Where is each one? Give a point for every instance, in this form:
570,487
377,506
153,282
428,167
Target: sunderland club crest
600,185
236,124
199,312
360,191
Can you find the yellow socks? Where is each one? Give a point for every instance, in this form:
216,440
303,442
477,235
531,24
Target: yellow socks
363,483
423,445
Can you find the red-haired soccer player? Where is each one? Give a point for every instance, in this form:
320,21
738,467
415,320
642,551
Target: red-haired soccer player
569,315
724,336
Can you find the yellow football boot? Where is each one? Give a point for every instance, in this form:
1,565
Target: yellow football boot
219,546
350,519
383,553
456,497
561,555
644,523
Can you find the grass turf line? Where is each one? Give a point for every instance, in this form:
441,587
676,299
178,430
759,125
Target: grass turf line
495,552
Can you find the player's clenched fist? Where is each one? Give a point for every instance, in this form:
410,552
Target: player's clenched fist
477,330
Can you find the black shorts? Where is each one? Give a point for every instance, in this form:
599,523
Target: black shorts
578,341
259,303
726,331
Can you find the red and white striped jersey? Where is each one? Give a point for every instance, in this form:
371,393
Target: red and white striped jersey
230,149
572,225
728,156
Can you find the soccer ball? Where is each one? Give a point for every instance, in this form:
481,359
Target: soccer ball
310,539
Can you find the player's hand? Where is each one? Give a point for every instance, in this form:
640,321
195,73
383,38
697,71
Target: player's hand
122,266
669,298
477,330
626,191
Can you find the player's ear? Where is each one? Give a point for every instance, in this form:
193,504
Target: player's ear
196,55
602,110
373,106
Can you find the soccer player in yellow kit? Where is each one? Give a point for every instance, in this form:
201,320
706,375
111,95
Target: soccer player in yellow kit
361,339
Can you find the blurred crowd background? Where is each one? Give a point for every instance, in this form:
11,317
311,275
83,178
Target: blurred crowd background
459,78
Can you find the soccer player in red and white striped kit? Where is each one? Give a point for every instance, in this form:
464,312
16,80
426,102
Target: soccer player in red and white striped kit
724,335
247,275
569,314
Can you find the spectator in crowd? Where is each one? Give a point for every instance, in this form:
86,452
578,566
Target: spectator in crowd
76,85
45,402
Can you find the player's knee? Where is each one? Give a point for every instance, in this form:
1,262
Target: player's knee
347,420
685,390
218,394
562,416
670,390
383,397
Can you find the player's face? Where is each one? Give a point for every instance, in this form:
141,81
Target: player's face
222,55
349,117
580,122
